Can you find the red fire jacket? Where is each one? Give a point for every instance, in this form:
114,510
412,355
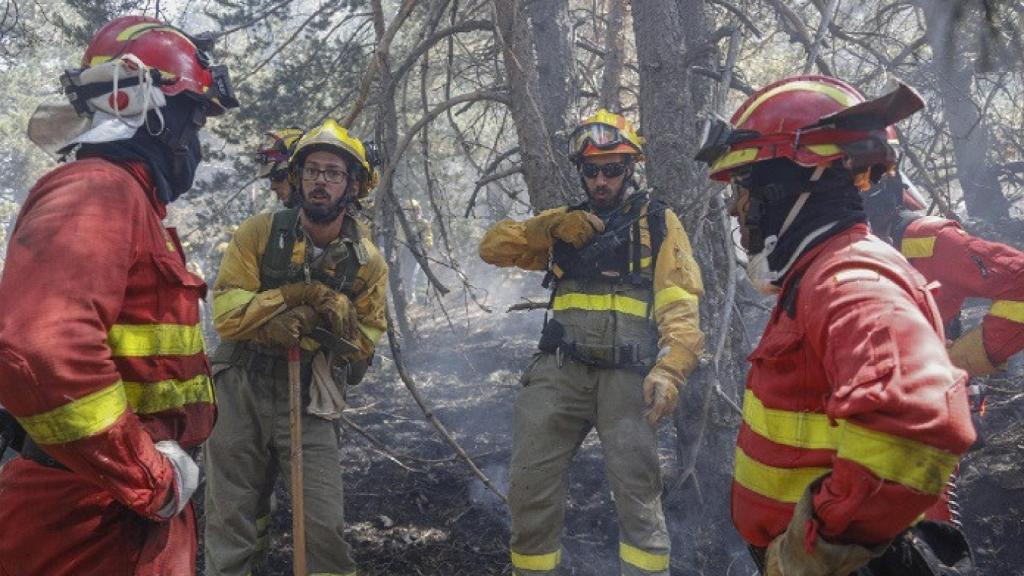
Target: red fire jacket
101,356
855,384
969,267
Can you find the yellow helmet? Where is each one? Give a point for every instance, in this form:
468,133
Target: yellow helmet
605,133
273,153
332,137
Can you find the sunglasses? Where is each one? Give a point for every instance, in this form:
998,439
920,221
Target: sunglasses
610,170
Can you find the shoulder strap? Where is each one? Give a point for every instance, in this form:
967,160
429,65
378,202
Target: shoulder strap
277,256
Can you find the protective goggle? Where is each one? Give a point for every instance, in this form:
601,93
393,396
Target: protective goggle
221,92
601,136
610,170
271,156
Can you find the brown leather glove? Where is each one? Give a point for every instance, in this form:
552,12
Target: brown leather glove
339,313
786,555
577,227
661,393
299,293
288,327
968,352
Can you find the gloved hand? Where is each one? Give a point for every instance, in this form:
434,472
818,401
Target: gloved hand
661,393
299,293
787,555
968,352
577,227
288,327
339,313
186,478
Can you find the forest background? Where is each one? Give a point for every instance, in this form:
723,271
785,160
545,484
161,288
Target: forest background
472,102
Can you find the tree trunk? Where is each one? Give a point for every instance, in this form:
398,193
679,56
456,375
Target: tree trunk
950,40
387,131
536,61
611,80
670,38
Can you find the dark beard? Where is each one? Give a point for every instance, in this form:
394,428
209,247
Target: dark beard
323,214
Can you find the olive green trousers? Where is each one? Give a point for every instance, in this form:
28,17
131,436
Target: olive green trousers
555,410
249,448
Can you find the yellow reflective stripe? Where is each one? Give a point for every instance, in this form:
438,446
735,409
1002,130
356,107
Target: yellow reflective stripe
643,560
901,460
671,294
823,149
372,334
601,303
134,340
1008,309
137,30
918,247
81,418
537,562
224,302
150,398
782,484
833,92
734,158
808,430
645,262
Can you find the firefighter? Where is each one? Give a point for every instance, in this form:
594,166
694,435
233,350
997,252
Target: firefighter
310,276
272,158
101,352
965,266
853,416
623,336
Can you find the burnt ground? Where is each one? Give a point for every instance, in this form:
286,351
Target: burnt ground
428,515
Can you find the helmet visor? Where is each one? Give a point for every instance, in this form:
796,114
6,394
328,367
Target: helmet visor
601,136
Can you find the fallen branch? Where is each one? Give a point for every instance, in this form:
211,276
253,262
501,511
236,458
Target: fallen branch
396,357
528,305
376,444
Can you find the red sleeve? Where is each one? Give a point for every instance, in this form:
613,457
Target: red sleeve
982,269
899,401
70,255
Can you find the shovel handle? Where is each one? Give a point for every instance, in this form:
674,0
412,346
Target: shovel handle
295,425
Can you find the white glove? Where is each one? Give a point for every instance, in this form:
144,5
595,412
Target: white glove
186,478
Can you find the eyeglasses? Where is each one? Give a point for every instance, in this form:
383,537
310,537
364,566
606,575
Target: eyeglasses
333,175
610,170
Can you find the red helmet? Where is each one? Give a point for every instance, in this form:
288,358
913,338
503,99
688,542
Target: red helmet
180,58
785,120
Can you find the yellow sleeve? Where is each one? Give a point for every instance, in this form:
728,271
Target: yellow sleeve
370,300
525,244
238,306
677,287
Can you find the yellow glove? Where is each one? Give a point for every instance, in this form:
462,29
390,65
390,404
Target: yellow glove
299,293
339,313
661,393
968,352
288,327
787,556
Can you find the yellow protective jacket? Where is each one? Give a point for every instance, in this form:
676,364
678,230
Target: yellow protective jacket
239,307
594,309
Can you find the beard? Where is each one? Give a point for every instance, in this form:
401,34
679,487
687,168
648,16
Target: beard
604,198
322,214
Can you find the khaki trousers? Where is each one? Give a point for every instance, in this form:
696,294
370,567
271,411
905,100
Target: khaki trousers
250,446
554,412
